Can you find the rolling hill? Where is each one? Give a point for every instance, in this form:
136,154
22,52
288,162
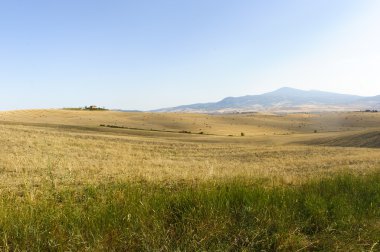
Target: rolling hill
284,100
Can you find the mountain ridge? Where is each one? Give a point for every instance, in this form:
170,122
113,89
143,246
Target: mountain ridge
285,99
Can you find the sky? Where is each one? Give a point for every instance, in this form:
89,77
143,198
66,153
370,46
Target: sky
152,54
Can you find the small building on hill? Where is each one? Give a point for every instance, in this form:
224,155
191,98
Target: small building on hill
94,107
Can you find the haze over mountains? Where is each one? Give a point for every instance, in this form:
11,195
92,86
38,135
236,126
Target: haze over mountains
285,99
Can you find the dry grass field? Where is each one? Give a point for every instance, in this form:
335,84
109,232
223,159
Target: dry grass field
58,150
72,148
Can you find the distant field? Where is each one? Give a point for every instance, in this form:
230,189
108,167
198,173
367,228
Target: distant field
64,153
228,124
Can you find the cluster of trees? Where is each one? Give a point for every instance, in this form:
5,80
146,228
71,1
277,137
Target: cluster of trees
93,107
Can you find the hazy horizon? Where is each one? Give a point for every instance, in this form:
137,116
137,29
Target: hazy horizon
147,55
114,108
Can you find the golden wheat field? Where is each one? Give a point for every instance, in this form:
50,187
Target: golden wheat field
67,148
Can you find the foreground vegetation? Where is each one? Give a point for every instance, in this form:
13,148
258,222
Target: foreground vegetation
340,213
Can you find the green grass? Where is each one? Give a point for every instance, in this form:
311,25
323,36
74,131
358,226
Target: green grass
341,213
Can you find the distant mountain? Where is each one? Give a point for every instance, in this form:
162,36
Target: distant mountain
285,99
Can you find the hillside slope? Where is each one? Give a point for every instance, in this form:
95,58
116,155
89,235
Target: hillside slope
367,139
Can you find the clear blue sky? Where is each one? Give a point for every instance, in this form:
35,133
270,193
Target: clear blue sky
152,54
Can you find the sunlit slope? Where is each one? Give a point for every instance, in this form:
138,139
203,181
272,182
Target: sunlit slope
226,124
